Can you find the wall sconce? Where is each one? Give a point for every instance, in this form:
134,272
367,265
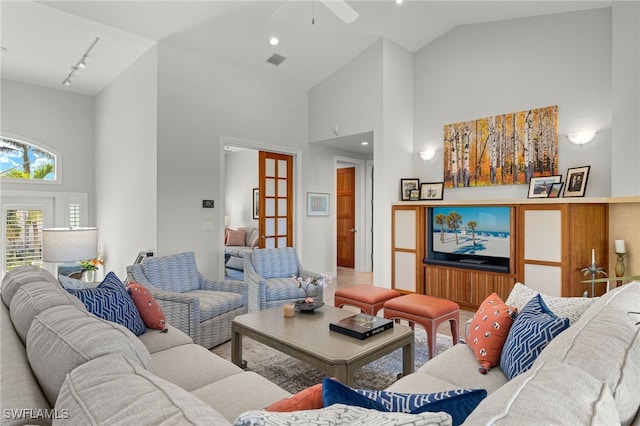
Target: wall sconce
428,154
582,137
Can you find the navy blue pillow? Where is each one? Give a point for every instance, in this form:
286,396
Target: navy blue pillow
112,302
457,403
530,333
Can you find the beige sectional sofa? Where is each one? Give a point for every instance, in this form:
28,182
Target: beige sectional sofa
79,369
61,363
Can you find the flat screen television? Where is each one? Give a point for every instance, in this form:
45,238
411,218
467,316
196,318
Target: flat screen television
476,237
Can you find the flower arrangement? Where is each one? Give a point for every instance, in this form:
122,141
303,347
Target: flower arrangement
92,264
320,281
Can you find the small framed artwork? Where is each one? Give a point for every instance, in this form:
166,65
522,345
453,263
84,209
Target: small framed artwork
431,190
556,190
576,183
317,204
406,186
539,187
256,203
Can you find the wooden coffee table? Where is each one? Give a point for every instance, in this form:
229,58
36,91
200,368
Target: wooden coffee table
308,338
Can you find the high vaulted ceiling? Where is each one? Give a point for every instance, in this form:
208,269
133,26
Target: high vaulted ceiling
43,40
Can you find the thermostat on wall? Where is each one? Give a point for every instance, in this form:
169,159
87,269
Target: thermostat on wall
207,204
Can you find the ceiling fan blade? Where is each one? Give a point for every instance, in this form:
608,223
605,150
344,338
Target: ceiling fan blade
342,9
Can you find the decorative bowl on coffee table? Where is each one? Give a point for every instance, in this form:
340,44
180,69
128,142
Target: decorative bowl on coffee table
303,306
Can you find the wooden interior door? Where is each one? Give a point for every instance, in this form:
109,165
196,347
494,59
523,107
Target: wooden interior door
275,199
345,216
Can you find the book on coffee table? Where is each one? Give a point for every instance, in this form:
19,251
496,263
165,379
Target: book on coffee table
361,326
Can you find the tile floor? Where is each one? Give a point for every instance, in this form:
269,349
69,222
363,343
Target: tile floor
347,277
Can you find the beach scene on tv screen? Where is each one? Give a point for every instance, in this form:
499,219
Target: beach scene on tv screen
473,231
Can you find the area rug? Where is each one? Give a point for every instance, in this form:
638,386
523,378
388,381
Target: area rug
293,375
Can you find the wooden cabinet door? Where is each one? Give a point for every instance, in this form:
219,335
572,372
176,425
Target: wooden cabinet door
407,224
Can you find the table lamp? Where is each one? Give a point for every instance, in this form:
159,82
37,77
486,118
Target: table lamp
69,244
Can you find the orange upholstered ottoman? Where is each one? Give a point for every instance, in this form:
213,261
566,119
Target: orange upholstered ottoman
427,311
368,298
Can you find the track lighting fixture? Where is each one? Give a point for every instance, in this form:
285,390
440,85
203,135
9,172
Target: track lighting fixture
82,63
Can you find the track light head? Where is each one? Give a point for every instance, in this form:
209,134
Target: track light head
67,81
82,63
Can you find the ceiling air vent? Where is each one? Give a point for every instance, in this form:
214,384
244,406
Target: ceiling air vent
276,59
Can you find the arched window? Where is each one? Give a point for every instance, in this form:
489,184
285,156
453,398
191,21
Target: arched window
26,161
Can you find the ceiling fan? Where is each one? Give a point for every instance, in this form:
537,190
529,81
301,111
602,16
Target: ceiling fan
339,7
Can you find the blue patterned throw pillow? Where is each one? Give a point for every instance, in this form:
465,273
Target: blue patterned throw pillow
530,333
112,302
457,403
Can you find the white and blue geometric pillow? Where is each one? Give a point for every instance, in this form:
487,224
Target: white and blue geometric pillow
530,333
458,403
112,302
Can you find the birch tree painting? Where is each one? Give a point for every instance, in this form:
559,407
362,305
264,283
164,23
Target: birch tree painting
504,149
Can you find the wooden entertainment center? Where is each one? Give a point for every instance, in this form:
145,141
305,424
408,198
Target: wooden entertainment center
551,240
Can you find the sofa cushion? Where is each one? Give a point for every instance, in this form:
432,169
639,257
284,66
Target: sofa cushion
35,297
112,389
204,367
275,263
458,403
18,387
176,272
456,368
147,306
550,393
341,415
569,307
605,342
160,340
112,302
236,237
73,283
216,303
307,399
488,331
240,392
530,333
20,276
64,337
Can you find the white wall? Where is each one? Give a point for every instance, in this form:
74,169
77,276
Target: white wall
626,99
200,100
56,119
373,92
126,184
476,71
241,169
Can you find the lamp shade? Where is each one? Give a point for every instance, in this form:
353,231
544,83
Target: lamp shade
69,244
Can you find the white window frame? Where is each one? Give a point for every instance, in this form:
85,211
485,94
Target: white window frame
55,212
57,163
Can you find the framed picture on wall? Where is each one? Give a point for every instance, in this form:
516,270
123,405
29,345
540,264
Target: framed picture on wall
317,204
576,184
256,203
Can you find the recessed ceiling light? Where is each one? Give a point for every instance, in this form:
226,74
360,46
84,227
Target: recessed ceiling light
399,1
274,41
364,143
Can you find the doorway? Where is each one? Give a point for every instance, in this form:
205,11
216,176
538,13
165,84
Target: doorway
345,216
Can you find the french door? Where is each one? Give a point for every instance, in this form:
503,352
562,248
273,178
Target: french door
275,189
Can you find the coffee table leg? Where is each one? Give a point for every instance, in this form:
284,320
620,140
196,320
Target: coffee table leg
236,348
341,373
408,361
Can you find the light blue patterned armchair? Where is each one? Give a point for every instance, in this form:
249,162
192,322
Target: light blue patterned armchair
268,273
192,303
